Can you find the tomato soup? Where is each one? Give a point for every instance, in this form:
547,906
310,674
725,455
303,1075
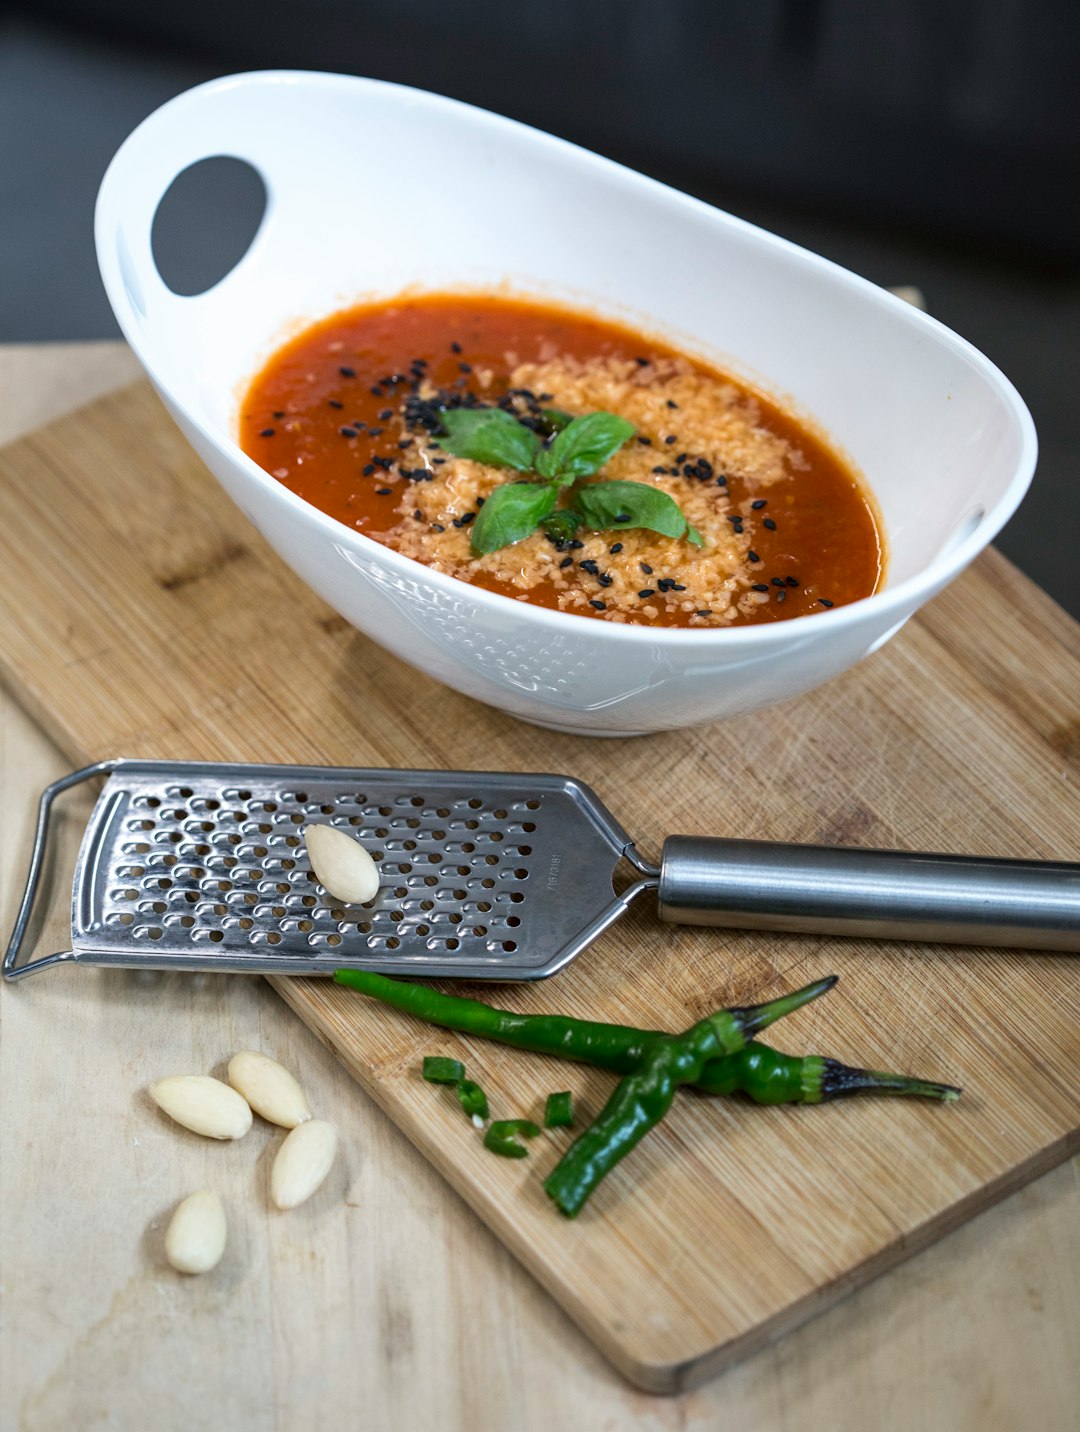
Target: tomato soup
350,413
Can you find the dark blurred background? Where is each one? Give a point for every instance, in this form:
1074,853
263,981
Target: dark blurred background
933,143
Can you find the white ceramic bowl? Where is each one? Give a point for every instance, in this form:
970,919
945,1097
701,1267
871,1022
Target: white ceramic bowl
374,188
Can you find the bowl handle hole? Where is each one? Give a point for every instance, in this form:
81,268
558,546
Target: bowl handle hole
206,222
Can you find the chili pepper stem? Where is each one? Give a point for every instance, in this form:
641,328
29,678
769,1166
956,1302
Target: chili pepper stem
839,1079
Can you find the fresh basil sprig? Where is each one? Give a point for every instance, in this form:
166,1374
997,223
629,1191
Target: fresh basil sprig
579,448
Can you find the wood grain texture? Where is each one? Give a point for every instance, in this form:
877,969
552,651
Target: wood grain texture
159,625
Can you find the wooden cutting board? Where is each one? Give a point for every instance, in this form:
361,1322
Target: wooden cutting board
144,616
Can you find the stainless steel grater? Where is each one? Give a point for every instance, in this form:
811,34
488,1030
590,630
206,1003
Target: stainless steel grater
497,876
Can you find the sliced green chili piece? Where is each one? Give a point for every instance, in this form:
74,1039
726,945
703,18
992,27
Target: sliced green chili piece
438,1070
559,1110
473,1099
500,1137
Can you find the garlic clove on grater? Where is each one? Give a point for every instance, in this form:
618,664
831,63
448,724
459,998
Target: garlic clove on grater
341,865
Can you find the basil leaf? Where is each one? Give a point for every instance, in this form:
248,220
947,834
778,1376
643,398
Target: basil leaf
563,524
583,447
488,435
630,504
694,536
510,513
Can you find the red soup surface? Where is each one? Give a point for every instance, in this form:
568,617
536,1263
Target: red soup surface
348,415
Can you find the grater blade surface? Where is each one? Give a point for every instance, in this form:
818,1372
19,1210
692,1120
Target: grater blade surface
485,875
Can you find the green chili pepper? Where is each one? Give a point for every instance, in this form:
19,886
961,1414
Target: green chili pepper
559,1110
473,1099
500,1137
639,1102
437,1070
610,1046
763,1074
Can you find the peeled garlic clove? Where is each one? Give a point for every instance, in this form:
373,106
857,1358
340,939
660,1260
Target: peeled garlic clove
341,864
269,1089
195,1237
203,1105
302,1163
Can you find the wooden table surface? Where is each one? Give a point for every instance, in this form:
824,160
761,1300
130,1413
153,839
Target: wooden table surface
390,1306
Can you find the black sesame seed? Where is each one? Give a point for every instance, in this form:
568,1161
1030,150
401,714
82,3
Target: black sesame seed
368,469
824,602
759,586
758,503
599,605
347,372
704,612
404,442
604,579
622,517
465,367
384,491
480,502
752,557
377,390
671,438
665,584
348,432
386,414
566,562
418,514
376,432
279,414
616,548
333,403
589,566
437,527
681,457
645,568
647,592
575,544
642,362
644,441
781,596
455,348
677,587
466,518
792,581
770,524
267,433
777,581
671,403
721,482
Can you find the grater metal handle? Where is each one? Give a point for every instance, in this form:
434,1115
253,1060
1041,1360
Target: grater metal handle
883,894
11,969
